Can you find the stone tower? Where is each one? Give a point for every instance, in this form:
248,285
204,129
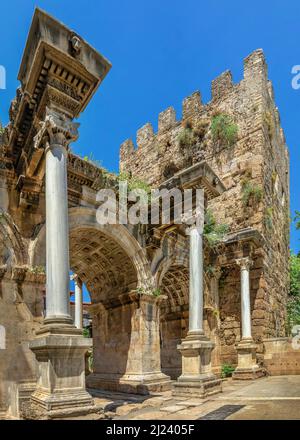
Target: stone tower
255,171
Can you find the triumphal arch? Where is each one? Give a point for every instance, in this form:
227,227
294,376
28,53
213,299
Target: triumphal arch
169,308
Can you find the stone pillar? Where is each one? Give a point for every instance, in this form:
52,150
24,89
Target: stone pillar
196,284
197,379
78,302
59,347
127,358
247,367
57,232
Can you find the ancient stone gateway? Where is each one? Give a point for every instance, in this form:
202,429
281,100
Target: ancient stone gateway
170,302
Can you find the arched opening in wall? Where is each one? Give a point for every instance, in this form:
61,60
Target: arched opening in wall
109,274
174,318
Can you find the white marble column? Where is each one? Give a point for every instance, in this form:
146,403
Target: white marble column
196,282
245,264
78,302
58,131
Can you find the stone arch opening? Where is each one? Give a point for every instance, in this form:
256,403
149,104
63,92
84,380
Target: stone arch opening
111,263
174,318
109,275
102,264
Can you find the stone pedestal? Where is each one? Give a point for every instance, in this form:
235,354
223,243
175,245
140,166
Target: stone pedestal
247,366
128,356
197,379
60,388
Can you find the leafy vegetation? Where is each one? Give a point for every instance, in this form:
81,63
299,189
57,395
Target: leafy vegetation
213,232
223,129
86,332
251,191
134,183
293,305
227,370
297,220
38,270
191,135
156,292
91,159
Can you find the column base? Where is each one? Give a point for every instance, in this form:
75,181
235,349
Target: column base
247,363
197,379
130,383
44,405
201,388
61,374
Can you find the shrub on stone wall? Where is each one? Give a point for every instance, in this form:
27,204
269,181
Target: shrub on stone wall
223,129
293,304
213,232
134,183
251,192
191,134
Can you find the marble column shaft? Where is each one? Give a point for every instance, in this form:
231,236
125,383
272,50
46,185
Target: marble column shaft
196,282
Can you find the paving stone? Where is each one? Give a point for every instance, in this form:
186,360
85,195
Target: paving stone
172,408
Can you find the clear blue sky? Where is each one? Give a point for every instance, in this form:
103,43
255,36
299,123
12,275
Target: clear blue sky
162,51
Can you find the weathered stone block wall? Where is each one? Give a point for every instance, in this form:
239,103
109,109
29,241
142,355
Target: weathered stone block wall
173,329
281,356
21,309
259,157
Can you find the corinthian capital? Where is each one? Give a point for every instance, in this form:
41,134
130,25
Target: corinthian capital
244,263
56,129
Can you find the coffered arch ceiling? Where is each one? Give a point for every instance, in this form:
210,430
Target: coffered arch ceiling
101,263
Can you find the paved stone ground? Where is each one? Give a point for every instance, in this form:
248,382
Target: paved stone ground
270,398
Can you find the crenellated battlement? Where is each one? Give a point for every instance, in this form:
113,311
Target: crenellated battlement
255,75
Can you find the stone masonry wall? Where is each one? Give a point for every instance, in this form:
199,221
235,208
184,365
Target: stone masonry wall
259,158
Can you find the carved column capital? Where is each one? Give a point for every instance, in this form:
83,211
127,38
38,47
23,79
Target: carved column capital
56,129
245,263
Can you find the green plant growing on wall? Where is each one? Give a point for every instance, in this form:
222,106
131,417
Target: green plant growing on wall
38,270
92,160
251,191
223,129
191,135
200,129
296,219
186,138
156,292
86,332
134,183
293,304
209,270
227,370
213,232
